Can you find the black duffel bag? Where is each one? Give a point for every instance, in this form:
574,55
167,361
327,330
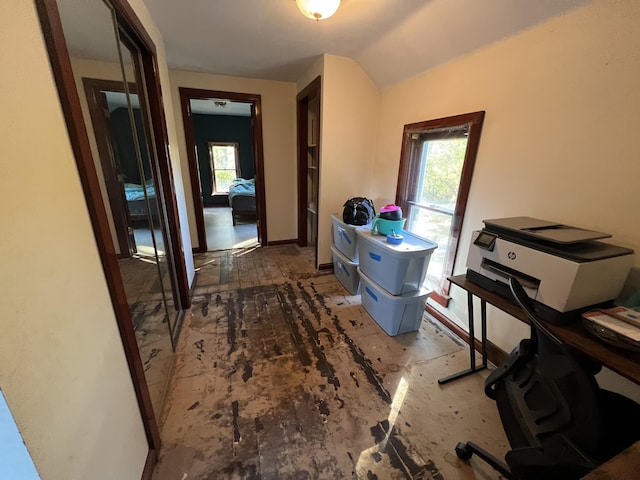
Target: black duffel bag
358,211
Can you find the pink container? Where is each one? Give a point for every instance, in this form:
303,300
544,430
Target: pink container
391,212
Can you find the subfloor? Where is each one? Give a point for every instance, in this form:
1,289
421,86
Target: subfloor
281,374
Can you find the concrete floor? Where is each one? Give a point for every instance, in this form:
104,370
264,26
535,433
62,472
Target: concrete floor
281,374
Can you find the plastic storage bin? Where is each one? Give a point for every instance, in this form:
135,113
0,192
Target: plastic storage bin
396,268
345,238
346,271
396,314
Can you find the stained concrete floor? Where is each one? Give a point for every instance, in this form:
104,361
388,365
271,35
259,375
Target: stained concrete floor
281,374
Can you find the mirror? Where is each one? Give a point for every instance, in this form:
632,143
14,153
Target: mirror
107,70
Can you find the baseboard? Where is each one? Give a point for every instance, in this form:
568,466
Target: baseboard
325,266
494,354
275,243
149,465
198,249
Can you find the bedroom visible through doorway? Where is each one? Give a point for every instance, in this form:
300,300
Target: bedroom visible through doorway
223,132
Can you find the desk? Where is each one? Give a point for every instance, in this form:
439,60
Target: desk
623,362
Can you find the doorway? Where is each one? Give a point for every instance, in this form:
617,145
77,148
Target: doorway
223,133
309,118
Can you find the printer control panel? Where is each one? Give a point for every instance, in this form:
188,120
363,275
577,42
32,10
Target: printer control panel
485,240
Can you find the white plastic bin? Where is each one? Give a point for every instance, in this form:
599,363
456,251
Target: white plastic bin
346,271
345,238
396,268
396,314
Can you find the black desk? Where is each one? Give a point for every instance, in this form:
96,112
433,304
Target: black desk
623,362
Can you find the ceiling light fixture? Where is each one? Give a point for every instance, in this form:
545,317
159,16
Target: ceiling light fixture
318,9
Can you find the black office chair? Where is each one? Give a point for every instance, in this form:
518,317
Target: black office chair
559,422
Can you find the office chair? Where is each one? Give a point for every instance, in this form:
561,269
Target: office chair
559,422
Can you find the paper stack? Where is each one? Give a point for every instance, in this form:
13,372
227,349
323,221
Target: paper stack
622,320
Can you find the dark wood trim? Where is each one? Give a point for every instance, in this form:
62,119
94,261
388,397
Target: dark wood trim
258,145
475,120
102,132
194,172
70,103
160,143
187,94
149,465
406,188
311,92
131,24
440,299
275,243
494,354
325,266
303,126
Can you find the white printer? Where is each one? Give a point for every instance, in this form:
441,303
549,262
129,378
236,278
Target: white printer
562,268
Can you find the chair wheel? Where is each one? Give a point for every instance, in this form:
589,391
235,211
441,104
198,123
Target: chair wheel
463,451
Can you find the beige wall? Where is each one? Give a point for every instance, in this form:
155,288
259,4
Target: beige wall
83,68
62,366
558,141
172,115
315,70
349,122
279,142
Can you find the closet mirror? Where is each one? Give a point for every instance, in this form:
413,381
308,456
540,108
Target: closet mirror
107,68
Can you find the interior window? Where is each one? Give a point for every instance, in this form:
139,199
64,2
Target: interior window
436,166
225,166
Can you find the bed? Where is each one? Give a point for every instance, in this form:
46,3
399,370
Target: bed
242,198
136,203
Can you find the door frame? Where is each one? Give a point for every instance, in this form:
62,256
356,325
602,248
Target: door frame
188,94
312,91
93,88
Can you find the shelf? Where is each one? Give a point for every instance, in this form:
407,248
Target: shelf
311,167
312,145
312,211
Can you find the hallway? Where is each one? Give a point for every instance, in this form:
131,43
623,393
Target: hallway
280,374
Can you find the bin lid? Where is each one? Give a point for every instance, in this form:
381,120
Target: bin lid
412,244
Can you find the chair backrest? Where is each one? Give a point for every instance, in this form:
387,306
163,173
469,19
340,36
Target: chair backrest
552,392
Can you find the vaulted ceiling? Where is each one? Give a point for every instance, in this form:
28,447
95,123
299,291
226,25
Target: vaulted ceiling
392,40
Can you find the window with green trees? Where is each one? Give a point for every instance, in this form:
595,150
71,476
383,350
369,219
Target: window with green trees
225,166
433,184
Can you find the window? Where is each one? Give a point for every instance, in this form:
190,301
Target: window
225,166
436,166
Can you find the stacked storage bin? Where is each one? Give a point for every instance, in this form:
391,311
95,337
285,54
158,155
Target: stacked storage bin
392,277
345,254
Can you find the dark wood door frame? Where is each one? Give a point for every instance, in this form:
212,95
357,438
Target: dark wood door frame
94,91
311,91
70,103
188,94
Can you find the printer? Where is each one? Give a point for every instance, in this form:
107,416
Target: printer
564,269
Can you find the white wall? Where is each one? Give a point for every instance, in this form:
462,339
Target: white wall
558,141
349,122
278,129
62,365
